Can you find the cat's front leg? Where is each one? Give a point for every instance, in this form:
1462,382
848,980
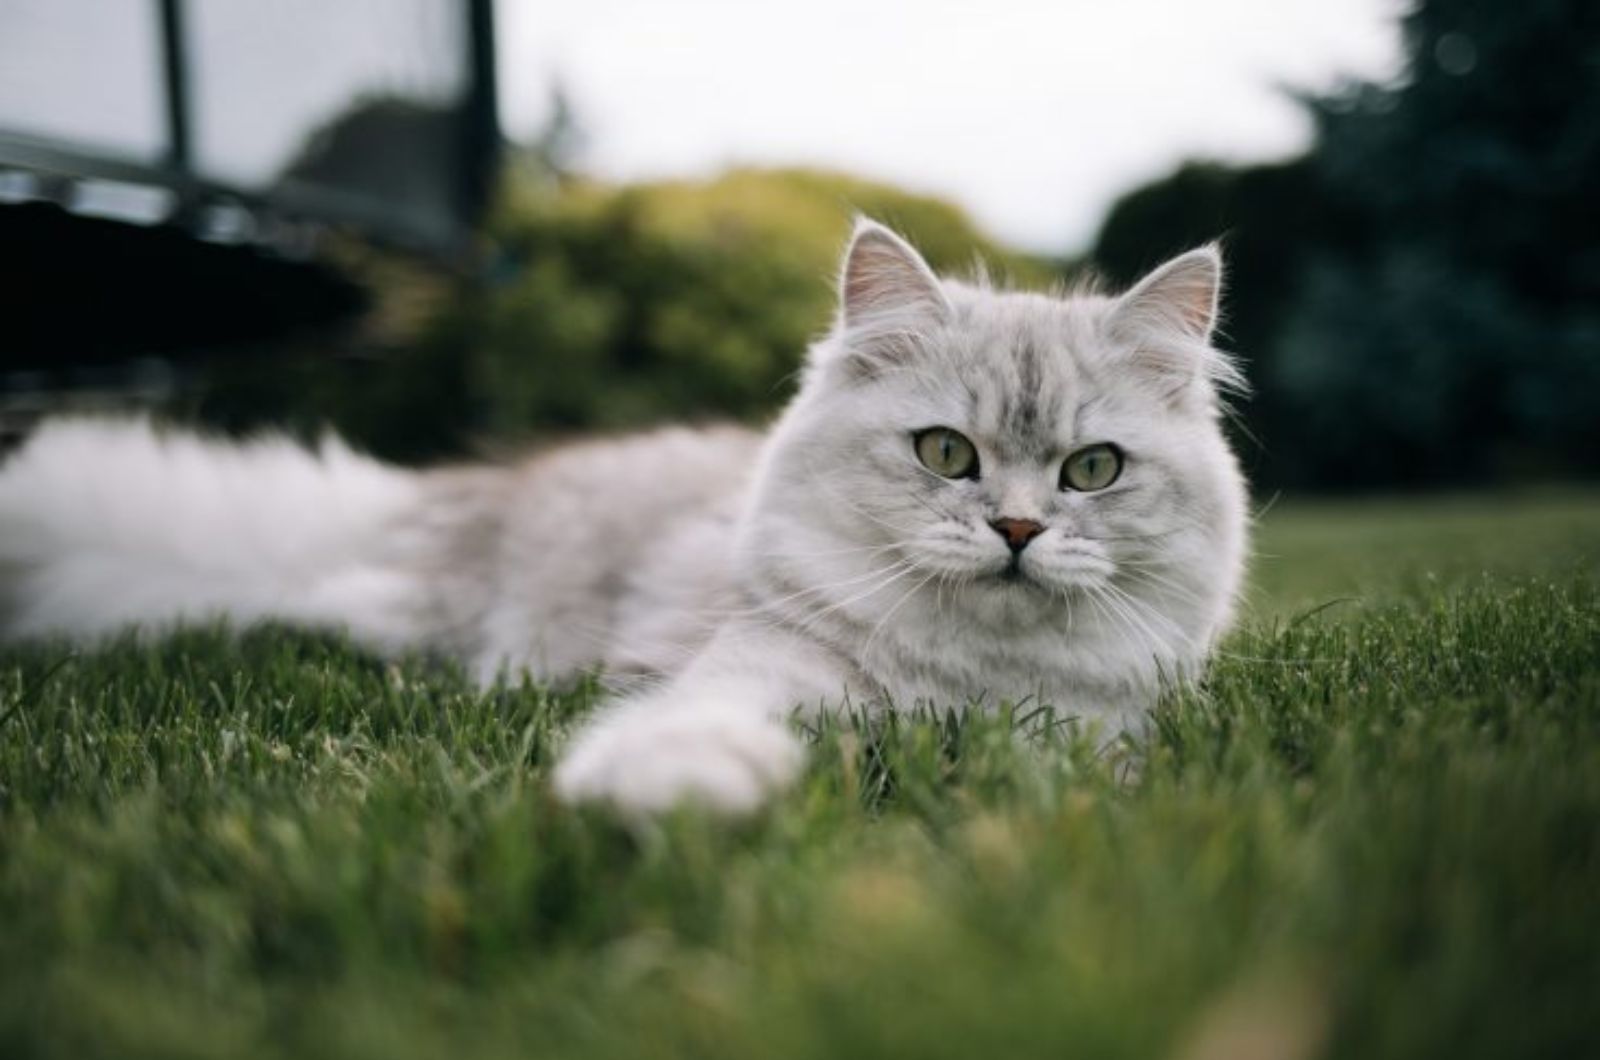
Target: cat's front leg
717,735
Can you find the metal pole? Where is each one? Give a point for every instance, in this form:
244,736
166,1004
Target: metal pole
176,68
481,123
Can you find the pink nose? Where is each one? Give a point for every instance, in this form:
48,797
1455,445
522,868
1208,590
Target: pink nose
1017,532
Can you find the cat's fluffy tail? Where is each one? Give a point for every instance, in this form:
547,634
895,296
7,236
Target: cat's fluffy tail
106,524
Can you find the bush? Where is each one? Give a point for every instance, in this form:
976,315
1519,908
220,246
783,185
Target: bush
622,306
603,307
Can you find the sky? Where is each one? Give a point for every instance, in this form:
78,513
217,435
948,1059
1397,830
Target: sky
1034,115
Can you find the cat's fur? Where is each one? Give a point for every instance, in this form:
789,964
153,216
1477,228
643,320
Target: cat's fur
739,578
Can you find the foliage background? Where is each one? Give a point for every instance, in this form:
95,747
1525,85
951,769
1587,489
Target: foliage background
603,307
1417,298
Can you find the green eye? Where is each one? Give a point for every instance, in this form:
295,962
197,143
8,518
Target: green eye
1092,468
947,453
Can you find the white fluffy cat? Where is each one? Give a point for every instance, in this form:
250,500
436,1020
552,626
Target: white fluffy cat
975,493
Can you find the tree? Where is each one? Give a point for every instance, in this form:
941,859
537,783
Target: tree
1419,297
1461,332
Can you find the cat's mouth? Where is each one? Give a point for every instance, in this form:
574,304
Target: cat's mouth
1084,572
1014,574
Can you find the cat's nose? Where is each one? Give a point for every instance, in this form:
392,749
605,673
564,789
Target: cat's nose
1017,532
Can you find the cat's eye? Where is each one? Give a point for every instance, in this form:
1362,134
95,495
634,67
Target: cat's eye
946,452
1094,467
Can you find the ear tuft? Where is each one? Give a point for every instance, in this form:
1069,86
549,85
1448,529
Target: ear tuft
884,277
1165,324
1181,296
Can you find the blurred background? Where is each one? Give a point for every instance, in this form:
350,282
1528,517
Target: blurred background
440,226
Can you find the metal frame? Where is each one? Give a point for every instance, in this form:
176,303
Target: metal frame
288,204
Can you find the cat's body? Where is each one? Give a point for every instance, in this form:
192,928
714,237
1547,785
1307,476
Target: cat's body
604,555
736,577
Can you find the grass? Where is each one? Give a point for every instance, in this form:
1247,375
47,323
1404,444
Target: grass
1375,832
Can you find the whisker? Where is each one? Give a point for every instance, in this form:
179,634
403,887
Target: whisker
899,566
909,593
811,621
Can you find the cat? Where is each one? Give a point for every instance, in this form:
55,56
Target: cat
975,494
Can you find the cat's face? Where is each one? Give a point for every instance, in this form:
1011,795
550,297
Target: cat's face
1024,471
1006,454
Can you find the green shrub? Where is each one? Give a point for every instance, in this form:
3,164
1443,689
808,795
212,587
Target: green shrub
599,307
620,306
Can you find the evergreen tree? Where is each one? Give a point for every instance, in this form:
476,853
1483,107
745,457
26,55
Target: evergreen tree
1418,298
1454,333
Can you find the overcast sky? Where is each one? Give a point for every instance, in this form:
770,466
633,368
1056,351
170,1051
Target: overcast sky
1032,114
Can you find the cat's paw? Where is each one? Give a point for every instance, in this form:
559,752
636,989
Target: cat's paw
643,761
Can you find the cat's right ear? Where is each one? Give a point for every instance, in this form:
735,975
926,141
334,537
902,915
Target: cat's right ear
887,294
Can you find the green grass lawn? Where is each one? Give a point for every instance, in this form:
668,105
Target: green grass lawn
1375,832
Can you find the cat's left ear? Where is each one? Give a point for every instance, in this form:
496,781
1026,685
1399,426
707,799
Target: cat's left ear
1181,296
1166,322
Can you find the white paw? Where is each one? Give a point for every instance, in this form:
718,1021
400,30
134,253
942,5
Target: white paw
642,760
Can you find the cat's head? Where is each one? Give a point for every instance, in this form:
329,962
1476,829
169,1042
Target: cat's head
1011,451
